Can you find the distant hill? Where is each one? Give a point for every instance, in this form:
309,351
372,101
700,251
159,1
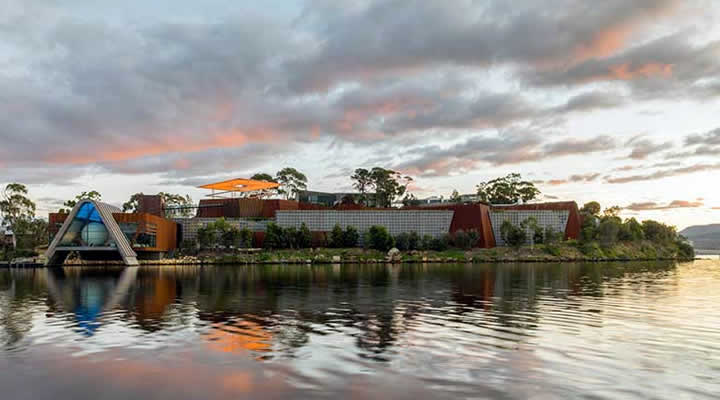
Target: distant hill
704,237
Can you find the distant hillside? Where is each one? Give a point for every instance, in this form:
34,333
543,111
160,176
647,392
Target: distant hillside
705,237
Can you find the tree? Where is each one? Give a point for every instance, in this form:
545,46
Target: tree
263,176
658,232
607,231
631,231
410,200
336,237
176,205
509,189
378,238
592,208
16,209
512,235
291,182
350,236
91,195
387,184
613,211
455,196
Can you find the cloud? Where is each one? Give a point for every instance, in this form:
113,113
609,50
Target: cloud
591,177
512,148
664,173
651,206
642,148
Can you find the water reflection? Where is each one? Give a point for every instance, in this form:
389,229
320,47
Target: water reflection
448,325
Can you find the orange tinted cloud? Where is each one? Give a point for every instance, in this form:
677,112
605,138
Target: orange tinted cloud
626,72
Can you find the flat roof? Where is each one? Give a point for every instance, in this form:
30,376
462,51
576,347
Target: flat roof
240,185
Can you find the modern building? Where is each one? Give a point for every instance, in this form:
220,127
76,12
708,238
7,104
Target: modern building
99,231
329,199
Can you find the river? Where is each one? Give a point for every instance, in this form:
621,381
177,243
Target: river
505,331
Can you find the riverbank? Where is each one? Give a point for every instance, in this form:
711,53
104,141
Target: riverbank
562,252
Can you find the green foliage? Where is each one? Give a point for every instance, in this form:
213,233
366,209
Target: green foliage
464,240
531,227
613,211
402,241
291,182
441,243
426,243
552,236
658,232
685,250
246,237
378,238
455,196
414,241
351,237
588,228
288,238
347,238
336,237
608,230
91,195
17,210
274,237
513,235
592,208
631,231
262,176
509,189
176,205
386,184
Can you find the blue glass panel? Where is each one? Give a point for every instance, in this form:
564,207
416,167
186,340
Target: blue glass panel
88,212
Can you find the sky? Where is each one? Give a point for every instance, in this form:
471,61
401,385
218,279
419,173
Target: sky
615,101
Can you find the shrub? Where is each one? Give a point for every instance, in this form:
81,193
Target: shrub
588,228
274,237
402,241
230,237
607,231
658,232
379,238
465,240
512,235
426,243
552,236
536,232
337,237
631,231
246,237
413,241
685,250
304,237
207,237
350,237
441,243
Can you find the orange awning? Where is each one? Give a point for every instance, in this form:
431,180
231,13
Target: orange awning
240,185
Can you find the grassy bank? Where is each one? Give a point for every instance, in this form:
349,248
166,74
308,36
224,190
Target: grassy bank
568,251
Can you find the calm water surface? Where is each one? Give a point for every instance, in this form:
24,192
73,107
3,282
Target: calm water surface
636,330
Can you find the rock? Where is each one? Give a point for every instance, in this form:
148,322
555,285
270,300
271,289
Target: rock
336,259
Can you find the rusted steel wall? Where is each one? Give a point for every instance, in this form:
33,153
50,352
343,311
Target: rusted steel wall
55,221
469,217
165,230
270,207
150,204
572,229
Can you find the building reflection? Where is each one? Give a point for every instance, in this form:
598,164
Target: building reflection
274,311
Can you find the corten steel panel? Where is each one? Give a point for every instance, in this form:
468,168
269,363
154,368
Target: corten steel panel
469,217
270,207
150,204
55,220
165,231
249,208
213,208
572,230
